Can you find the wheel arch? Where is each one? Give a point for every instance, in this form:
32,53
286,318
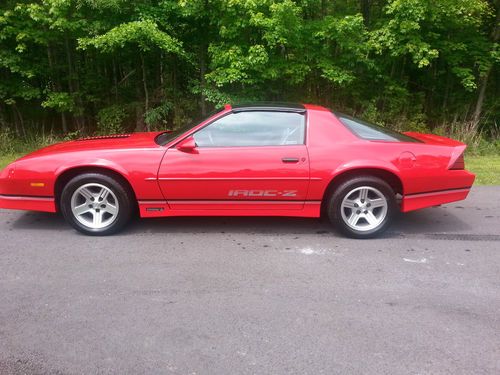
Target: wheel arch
65,176
388,176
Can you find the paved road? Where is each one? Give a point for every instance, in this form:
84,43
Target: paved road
253,296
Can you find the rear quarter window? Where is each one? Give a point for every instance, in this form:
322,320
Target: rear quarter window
372,132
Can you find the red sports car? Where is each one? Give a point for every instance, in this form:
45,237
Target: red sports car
248,160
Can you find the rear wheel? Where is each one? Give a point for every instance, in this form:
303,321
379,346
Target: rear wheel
362,207
96,204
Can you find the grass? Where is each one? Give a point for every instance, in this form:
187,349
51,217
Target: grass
6,159
486,168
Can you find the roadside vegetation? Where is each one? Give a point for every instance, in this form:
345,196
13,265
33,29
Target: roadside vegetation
486,168
483,160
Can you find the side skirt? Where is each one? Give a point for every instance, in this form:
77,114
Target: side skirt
246,208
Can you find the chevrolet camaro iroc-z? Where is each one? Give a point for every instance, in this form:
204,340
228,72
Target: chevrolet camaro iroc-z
247,160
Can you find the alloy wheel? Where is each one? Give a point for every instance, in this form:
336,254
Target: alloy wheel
94,205
364,208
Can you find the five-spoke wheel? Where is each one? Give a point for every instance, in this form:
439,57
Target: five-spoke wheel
362,207
96,203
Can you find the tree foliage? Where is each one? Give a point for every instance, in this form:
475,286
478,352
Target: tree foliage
102,65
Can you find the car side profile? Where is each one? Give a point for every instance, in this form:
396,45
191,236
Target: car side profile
248,160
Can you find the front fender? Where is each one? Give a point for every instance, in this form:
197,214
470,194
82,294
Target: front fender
92,162
140,170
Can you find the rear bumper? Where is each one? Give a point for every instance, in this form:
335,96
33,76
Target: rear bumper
13,202
434,198
450,186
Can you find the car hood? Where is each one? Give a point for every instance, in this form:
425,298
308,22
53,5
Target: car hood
109,142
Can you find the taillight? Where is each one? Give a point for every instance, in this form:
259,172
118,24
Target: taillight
459,163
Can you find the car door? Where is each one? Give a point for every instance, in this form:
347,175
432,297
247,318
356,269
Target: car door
254,159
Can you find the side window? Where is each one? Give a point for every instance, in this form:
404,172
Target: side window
253,128
372,132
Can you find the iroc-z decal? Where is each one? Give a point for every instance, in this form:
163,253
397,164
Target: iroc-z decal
262,193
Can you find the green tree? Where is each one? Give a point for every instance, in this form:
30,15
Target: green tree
65,65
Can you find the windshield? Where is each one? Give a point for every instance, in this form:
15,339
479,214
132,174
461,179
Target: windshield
372,132
169,135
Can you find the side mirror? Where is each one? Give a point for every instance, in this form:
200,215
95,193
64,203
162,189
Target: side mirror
186,145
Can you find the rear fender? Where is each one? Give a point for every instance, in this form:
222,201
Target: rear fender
386,171
457,147
366,164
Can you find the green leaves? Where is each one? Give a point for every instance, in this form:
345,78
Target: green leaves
405,32
145,34
60,101
235,65
281,26
80,63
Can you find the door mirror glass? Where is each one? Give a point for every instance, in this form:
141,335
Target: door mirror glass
186,145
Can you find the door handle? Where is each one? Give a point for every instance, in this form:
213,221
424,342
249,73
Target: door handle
290,160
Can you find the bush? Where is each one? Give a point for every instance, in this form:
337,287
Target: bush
10,144
155,118
6,141
478,142
110,120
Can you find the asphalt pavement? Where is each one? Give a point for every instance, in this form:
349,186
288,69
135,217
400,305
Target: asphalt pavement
253,295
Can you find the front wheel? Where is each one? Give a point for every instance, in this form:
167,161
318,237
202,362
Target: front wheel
96,204
362,207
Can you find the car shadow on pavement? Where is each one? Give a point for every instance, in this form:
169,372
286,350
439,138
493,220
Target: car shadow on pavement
37,221
432,220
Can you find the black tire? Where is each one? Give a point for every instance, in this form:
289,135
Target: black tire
348,187
120,197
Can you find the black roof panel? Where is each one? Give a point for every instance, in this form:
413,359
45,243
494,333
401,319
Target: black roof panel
269,106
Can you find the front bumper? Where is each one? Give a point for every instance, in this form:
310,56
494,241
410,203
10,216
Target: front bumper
17,191
12,202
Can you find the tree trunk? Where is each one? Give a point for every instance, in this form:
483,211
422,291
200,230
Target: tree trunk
145,87
495,34
70,65
21,120
64,123
74,87
3,120
56,86
139,118
365,11
162,83
15,121
203,83
480,99
115,81
323,8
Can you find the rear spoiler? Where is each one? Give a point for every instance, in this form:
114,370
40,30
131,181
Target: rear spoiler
434,139
456,157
